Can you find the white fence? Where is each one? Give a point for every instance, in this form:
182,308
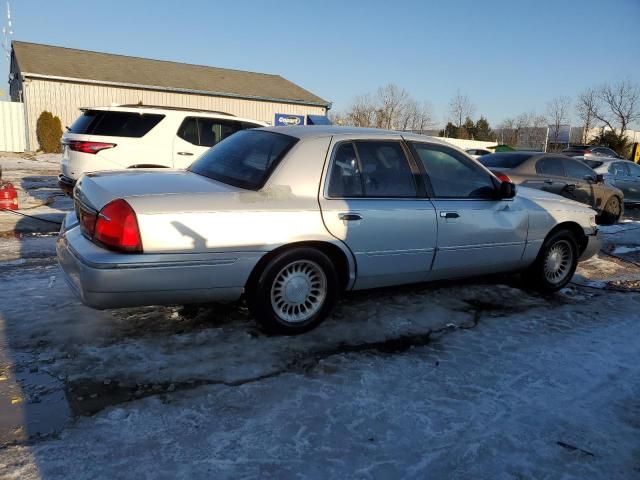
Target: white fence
12,131
464,144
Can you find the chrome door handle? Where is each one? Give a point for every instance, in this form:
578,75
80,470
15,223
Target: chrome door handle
449,214
349,217
185,153
548,181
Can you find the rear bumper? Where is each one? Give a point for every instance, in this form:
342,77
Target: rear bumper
104,279
66,184
594,244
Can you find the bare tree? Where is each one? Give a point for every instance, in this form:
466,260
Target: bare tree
392,108
557,115
619,105
425,119
586,106
460,107
527,130
362,112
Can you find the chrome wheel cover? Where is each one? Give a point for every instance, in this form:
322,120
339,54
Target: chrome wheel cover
557,263
298,291
614,207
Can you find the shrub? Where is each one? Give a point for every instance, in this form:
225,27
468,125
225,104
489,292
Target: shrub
49,132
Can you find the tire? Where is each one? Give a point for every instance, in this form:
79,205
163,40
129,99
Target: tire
551,273
294,292
612,211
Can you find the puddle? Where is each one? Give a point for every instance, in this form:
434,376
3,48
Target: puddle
32,404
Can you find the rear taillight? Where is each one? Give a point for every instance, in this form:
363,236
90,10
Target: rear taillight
503,177
117,227
88,147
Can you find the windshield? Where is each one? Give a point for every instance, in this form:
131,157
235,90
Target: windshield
504,160
245,159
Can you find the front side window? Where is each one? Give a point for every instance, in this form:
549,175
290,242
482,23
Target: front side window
245,159
576,169
453,175
617,169
550,166
634,169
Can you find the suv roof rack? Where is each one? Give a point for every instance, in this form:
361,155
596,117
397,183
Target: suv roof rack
184,109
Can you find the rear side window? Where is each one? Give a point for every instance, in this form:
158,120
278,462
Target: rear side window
550,166
371,169
504,160
244,160
115,124
207,132
345,179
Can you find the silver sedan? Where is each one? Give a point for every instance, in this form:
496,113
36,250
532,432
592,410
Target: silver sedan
290,217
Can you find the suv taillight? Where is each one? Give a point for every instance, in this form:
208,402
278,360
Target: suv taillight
88,147
116,227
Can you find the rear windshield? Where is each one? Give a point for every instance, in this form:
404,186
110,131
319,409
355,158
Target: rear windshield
504,160
115,124
245,159
593,163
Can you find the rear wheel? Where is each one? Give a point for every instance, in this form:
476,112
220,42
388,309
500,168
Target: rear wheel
295,291
611,212
556,263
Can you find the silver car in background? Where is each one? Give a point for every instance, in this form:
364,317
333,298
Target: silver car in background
290,217
622,174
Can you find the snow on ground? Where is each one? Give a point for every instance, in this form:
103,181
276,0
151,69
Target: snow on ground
548,394
35,177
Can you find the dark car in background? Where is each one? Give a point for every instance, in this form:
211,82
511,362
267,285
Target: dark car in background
561,175
590,152
622,174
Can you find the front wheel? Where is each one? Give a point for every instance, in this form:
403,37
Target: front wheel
612,211
294,292
556,263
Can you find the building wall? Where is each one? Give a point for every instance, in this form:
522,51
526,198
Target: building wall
464,144
63,99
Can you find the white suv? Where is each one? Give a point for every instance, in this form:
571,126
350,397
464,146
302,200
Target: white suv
137,136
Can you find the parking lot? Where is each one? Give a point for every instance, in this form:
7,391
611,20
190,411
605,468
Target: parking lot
472,379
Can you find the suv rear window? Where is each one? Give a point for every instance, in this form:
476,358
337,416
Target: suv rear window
115,124
245,159
504,160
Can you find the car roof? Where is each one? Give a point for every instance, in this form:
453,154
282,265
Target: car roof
167,109
316,131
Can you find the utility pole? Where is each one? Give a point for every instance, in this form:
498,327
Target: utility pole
7,31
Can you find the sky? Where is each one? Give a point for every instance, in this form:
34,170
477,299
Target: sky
509,57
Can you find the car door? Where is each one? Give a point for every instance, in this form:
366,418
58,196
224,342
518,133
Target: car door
550,176
634,182
477,233
186,144
372,200
581,185
197,134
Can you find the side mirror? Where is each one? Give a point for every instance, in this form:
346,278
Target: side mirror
506,190
599,178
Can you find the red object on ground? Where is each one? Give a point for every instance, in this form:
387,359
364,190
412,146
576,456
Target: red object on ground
8,196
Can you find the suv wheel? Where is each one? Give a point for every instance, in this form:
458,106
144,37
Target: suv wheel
556,263
294,292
